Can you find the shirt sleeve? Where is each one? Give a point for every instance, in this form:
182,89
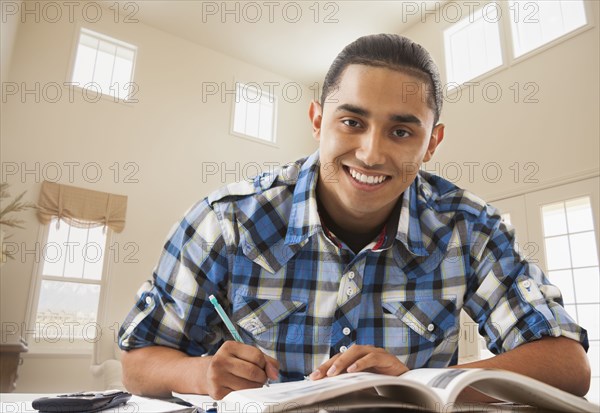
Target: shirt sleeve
173,309
510,297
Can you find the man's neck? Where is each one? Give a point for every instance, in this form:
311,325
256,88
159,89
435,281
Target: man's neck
354,239
356,233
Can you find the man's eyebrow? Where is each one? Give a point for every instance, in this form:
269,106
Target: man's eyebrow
347,107
404,118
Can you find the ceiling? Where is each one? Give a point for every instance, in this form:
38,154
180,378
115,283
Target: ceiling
296,39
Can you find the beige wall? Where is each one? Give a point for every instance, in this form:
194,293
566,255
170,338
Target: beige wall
8,35
555,138
165,140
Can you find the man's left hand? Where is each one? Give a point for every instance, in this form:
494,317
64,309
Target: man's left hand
360,358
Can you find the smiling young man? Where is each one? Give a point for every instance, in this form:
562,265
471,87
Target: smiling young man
349,260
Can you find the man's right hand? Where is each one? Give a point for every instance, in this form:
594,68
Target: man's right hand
156,371
237,366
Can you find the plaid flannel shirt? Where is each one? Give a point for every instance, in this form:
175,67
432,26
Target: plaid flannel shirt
302,296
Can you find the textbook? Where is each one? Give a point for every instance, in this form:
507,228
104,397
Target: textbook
426,389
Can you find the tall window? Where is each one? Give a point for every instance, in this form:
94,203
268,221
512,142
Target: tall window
535,23
72,265
561,236
65,306
572,261
254,113
104,64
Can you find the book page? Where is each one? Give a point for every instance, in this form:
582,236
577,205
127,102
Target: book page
289,396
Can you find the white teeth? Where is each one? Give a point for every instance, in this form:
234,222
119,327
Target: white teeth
365,179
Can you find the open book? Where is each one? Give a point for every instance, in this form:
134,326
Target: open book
422,389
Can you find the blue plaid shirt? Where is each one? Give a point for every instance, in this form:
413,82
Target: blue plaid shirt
302,296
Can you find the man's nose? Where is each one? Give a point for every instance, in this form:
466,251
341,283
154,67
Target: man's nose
371,150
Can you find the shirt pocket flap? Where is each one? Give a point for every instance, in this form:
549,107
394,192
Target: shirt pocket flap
259,315
431,319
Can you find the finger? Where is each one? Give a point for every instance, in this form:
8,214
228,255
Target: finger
369,361
272,367
321,371
347,358
249,371
379,362
245,352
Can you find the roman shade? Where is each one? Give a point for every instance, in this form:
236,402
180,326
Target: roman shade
81,207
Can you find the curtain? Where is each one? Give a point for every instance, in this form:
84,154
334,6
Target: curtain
81,207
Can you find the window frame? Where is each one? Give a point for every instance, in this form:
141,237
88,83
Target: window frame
251,138
548,45
447,56
506,40
37,345
79,28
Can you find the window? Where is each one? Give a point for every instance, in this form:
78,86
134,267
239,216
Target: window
535,23
473,46
254,113
104,65
65,309
571,258
70,280
560,233
572,261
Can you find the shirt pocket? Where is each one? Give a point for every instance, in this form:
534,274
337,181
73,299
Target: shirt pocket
433,320
267,321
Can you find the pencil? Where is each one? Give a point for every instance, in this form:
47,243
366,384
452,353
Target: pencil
228,323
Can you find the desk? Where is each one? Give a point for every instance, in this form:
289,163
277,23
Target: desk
21,403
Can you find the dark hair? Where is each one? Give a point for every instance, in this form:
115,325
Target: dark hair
393,52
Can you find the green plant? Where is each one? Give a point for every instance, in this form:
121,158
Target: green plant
14,207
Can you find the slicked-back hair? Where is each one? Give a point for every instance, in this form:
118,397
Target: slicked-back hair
393,52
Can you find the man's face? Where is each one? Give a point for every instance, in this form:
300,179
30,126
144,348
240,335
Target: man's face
374,131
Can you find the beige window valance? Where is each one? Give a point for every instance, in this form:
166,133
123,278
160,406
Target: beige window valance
81,207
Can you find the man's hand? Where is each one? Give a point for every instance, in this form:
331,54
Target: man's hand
237,366
157,371
360,358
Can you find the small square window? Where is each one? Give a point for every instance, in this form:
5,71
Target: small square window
254,112
472,46
104,64
535,23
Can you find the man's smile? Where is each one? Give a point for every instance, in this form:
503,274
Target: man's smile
364,179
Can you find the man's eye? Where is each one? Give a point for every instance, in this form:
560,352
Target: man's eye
401,133
350,122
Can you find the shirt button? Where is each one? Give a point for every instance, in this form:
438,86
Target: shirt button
351,275
343,348
526,284
349,291
430,328
148,300
346,331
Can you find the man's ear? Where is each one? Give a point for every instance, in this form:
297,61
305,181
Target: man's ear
437,136
315,113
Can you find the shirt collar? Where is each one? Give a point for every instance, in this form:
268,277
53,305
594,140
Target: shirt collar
305,221
304,216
